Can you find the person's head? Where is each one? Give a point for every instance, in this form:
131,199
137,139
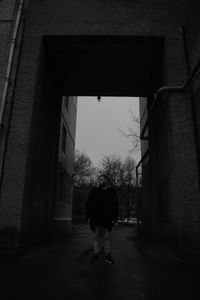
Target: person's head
103,181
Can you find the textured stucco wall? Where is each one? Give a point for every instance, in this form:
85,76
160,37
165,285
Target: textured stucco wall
99,17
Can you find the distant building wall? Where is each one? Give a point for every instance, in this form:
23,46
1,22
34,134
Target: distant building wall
143,101
145,207
64,195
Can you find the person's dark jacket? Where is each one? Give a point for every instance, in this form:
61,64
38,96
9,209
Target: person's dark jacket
102,208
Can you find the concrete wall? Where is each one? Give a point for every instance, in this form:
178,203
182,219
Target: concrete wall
98,17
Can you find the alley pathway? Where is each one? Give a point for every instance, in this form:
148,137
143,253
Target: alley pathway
65,272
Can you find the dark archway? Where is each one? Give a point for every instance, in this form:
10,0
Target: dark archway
105,65
83,66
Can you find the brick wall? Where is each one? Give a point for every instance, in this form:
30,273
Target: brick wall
98,17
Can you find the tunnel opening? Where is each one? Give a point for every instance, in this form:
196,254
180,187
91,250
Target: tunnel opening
107,142
84,66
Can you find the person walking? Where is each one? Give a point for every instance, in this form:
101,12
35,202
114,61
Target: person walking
102,214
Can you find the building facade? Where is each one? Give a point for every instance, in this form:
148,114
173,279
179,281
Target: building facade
111,48
64,194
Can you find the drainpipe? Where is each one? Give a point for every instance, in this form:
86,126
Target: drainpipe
10,61
174,89
170,89
180,89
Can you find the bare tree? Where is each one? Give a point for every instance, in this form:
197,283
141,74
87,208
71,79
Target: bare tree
121,174
133,132
83,169
130,183
83,178
129,171
111,166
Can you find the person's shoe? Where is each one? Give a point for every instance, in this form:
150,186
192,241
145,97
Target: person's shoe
108,259
95,258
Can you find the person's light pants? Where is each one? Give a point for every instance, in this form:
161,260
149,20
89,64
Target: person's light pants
102,239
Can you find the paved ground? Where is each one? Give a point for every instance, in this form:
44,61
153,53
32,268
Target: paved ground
64,271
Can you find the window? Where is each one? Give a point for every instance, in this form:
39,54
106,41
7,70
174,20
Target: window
63,139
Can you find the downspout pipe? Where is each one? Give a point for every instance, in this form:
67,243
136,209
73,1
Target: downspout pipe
174,89
10,61
170,89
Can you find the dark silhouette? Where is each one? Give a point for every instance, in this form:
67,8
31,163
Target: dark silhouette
102,213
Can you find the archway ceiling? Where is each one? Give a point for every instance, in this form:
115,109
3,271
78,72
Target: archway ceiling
105,65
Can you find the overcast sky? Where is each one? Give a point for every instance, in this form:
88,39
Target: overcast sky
98,124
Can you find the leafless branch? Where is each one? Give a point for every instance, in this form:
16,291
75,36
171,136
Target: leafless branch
133,132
